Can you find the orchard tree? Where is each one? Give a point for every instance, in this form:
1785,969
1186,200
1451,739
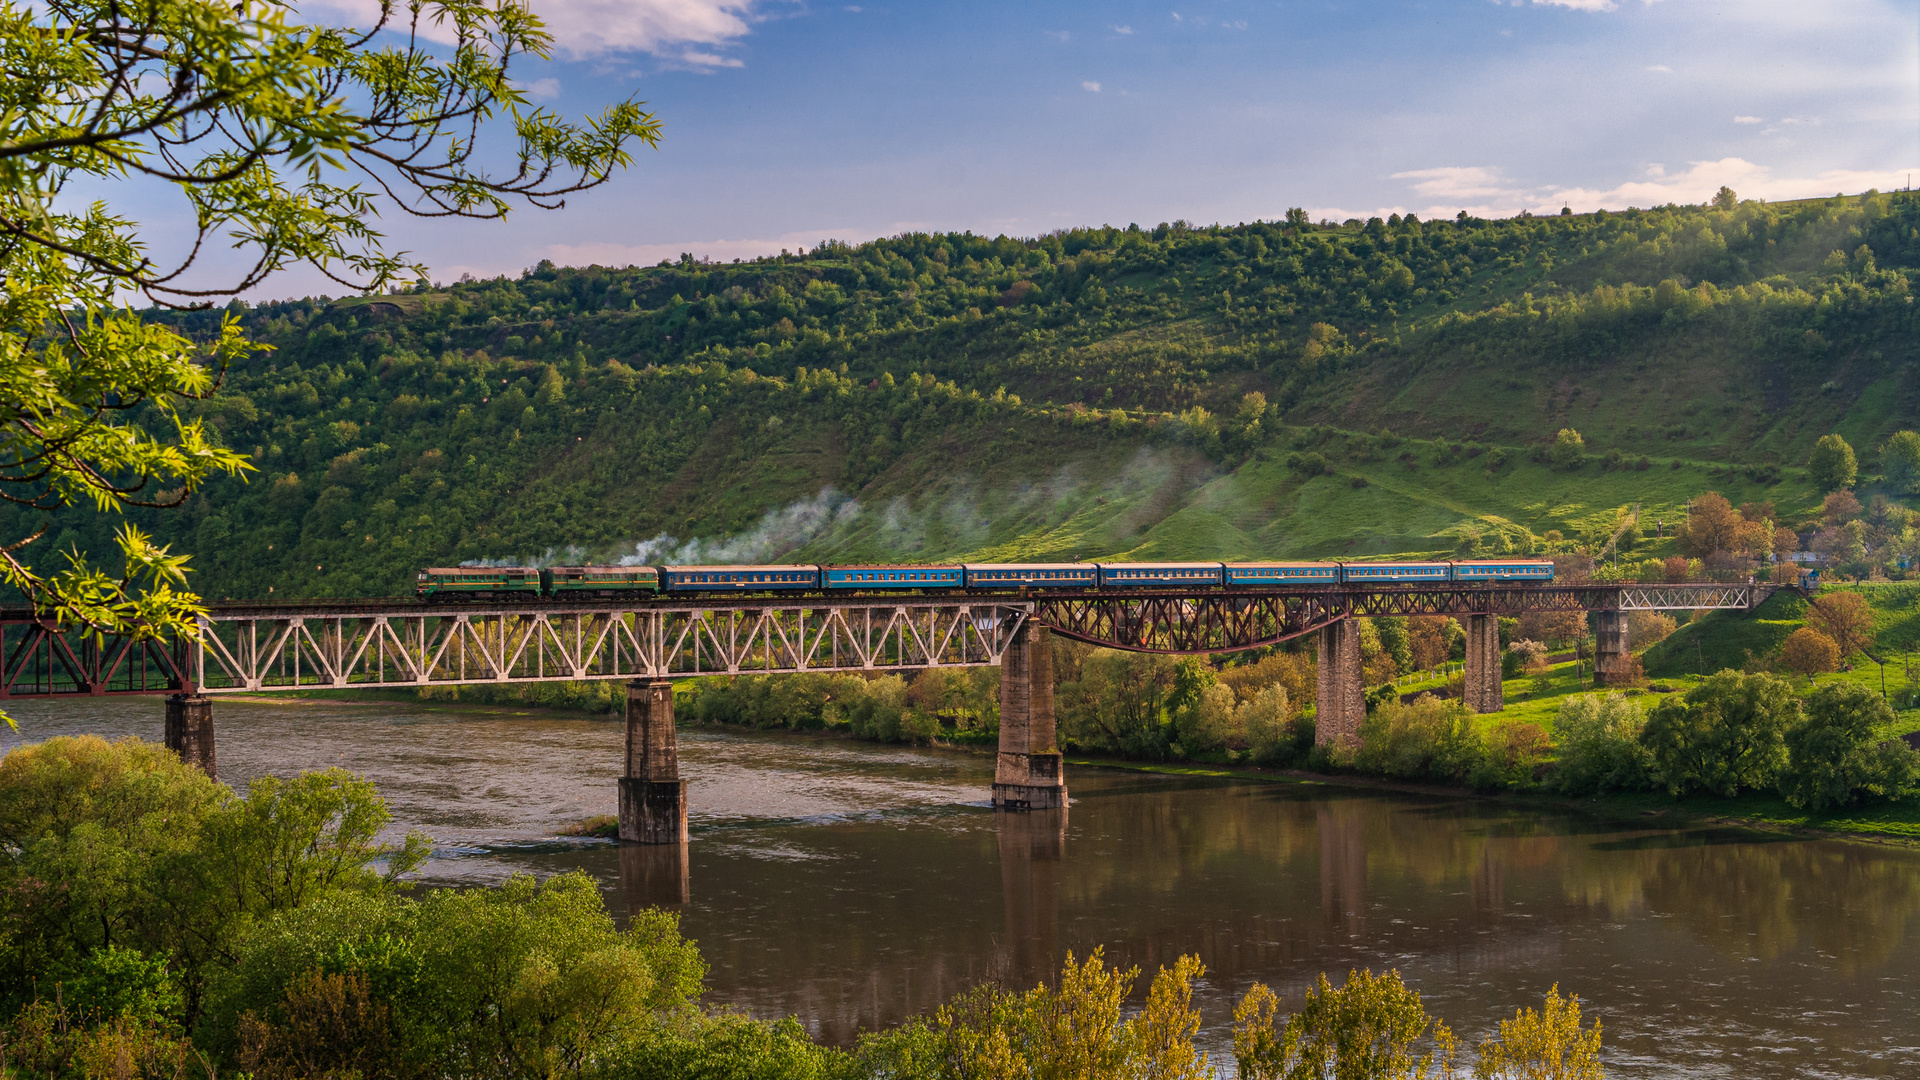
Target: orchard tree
1832,465
284,140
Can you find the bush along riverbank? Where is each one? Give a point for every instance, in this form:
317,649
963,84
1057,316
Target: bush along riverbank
154,923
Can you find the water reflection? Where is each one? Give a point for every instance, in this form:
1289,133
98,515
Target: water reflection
854,885
654,875
1031,846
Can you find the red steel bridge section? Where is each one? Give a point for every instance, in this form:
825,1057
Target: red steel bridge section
312,645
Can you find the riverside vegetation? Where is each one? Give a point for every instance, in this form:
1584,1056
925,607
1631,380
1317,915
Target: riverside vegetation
157,924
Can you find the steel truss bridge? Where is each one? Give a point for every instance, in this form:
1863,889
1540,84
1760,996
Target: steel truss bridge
318,645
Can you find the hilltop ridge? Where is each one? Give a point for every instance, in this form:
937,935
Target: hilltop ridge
1275,388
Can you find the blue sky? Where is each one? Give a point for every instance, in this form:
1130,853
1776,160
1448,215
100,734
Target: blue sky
790,122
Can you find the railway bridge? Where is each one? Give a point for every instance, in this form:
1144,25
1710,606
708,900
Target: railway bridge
374,644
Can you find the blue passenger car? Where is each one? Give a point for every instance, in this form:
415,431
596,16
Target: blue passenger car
891,577
1504,570
1159,574
739,578
1032,575
1395,572
1283,573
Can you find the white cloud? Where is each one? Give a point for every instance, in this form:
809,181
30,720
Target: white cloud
1580,5
1121,29
1746,120
1661,68
1483,192
543,89
1470,182
1090,86
589,28
1058,35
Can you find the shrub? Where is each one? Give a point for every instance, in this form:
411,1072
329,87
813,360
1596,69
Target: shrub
1273,733
1569,450
1513,757
1833,758
1367,1028
1430,738
1600,746
1726,735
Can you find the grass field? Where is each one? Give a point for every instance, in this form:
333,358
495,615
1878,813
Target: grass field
1034,496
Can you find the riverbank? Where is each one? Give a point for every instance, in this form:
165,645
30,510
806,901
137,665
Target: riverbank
1891,823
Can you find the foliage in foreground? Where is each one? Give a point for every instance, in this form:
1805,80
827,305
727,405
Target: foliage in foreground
254,118
293,956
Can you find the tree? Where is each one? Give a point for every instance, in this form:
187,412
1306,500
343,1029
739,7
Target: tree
1725,199
1725,736
1845,618
1712,526
1833,756
278,135
1838,508
1600,748
1809,652
1900,458
1569,450
1832,465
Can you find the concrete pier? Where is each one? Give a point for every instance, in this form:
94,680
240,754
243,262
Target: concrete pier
1341,702
1613,652
1483,691
190,730
1028,775
653,798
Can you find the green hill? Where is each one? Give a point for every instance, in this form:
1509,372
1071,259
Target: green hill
1264,389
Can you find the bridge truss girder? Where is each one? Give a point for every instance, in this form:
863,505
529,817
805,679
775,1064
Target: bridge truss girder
376,643
450,647
1235,621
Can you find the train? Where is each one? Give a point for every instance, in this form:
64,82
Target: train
610,582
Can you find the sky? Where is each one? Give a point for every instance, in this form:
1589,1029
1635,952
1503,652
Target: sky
789,122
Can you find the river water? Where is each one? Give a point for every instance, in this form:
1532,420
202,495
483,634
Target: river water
854,885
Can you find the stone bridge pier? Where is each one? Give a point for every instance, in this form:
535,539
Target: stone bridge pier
653,798
1612,649
1483,690
1027,775
1341,694
189,731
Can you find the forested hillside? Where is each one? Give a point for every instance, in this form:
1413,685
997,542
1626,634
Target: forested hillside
1278,389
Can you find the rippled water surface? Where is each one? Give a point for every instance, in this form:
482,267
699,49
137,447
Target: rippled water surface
854,885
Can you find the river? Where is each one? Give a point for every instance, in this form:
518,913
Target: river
853,885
